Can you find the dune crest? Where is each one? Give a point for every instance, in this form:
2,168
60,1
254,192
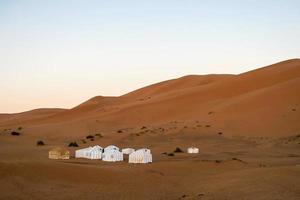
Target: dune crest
263,102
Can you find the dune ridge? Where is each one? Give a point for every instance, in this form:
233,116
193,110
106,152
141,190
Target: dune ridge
263,101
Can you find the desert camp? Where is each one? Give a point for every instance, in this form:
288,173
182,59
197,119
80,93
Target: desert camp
149,100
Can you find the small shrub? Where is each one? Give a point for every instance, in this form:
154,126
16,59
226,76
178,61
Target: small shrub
220,133
92,139
15,133
73,144
171,154
178,150
83,141
144,127
98,135
207,126
20,128
218,161
40,143
164,153
89,137
120,131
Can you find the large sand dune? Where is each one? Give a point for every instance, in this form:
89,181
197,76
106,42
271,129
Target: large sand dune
260,102
247,128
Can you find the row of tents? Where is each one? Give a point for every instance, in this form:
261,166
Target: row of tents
112,153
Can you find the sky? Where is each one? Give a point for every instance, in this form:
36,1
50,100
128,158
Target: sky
60,53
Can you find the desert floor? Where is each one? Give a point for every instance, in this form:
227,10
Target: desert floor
246,126
227,167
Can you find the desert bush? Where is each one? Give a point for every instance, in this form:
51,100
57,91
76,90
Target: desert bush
178,150
171,154
15,133
120,131
144,127
220,133
207,126
98,135
83,141
89,137
40,143
20,128
73,144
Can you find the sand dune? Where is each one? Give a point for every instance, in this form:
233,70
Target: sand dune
260,102
246,126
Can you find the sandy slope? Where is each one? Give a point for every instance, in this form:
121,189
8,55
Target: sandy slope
260,102
247,127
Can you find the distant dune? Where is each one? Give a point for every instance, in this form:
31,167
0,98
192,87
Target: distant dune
265,101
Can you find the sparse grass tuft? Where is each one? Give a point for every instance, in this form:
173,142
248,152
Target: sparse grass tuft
98,135
178,150
15,133
40,143
73,144
89,137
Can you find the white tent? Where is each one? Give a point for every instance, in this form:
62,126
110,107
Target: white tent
96,152
127,151
82,153
140,156
193,150
90,152
112,155
111,147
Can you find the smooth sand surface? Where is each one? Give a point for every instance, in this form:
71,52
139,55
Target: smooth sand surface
246,126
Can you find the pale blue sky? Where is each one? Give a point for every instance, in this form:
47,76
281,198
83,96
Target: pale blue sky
58,53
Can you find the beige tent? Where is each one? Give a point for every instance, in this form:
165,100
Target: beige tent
59,153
